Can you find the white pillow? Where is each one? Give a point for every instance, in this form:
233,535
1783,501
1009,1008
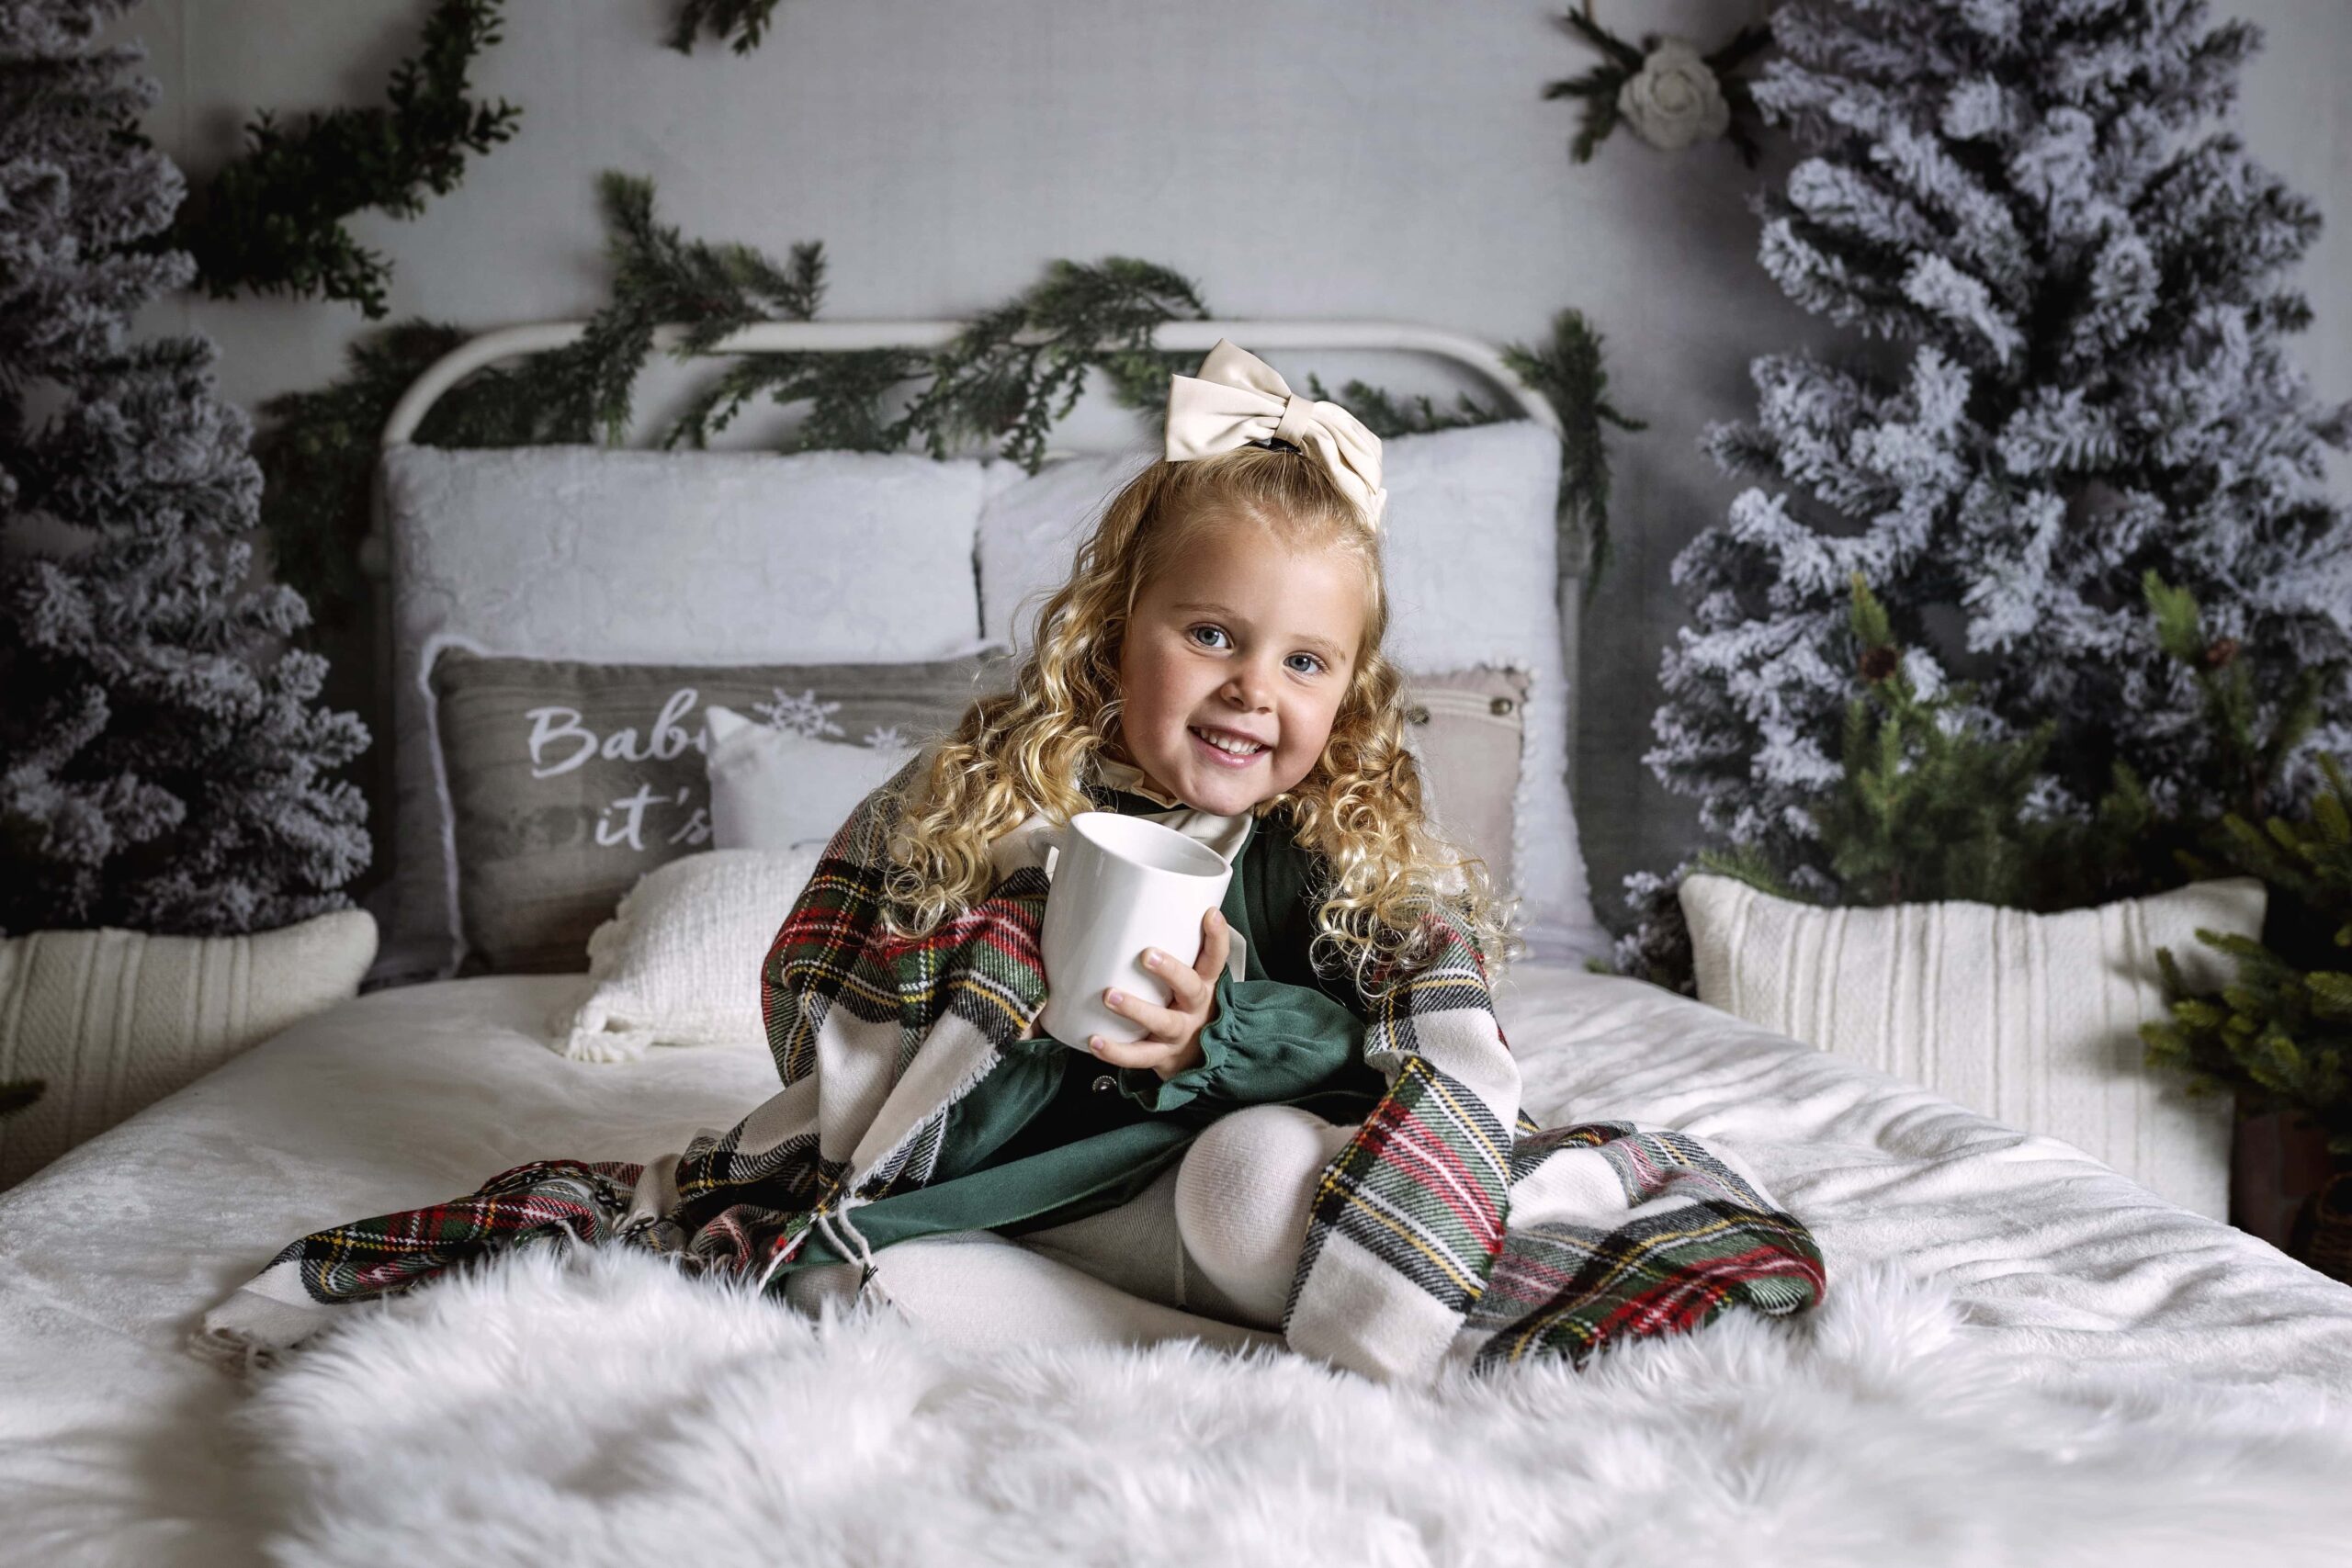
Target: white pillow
706,557
112,1020
1472,548
2032,1019
679,962
775,789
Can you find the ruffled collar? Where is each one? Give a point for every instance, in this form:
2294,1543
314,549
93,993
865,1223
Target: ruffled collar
1225,835
1127,779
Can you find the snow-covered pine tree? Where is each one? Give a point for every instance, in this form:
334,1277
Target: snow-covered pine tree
2033,197
161,763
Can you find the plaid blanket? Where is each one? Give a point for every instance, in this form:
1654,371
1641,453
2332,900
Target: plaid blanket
1450,1225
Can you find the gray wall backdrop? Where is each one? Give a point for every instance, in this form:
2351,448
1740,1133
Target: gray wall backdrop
1373,158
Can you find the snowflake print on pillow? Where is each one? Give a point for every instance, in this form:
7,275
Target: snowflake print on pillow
803,715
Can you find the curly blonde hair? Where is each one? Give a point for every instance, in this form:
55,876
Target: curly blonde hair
1360,809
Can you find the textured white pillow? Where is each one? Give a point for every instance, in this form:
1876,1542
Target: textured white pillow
2032,1019
626,556
773,789
679,962
113,1021
1472,551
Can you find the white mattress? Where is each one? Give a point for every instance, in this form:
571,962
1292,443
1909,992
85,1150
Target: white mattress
112,1445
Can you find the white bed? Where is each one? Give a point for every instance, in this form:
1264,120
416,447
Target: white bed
118,1446
113,1447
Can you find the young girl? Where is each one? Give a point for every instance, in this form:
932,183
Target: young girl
1316,1130
1213,663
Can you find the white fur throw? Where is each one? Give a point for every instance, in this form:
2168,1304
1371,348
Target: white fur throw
596,1409
2030,1019
113,1021
679,962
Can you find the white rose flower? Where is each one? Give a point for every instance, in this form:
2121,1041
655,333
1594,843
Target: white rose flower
1675,100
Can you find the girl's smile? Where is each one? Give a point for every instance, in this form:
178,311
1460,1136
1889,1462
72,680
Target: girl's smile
1234,665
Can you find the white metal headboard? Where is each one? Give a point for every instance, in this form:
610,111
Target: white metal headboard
844,337
841,337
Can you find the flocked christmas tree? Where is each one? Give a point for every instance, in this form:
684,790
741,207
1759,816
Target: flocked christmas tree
2033,199
162,762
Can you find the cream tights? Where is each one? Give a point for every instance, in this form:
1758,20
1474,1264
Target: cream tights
1206,1251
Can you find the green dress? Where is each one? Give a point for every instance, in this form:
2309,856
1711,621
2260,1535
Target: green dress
1054,1133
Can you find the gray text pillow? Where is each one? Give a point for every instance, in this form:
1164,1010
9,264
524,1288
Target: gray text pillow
568,781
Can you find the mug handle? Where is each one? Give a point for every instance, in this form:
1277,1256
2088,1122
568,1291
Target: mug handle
1055,837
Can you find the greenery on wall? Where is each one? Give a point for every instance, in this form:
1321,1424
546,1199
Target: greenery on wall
742,22
271,222
1004,382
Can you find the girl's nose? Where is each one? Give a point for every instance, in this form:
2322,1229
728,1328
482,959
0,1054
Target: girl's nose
1248,687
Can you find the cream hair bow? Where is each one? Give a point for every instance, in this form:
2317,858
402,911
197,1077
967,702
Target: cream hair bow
1237,399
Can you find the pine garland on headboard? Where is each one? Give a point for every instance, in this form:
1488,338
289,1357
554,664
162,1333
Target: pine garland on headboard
1016,371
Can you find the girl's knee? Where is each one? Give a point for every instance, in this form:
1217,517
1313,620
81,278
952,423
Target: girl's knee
1243,1192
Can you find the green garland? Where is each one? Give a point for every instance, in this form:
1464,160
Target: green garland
745,19
1569,373
272,221
1005,380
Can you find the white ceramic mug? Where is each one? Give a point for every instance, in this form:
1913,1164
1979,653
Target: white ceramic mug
1120,884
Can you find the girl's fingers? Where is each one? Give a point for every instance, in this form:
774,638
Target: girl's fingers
1166,1024
1141,1053
1217,945
1190,992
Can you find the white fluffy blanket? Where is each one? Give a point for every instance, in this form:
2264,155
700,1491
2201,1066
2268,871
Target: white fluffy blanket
599,1409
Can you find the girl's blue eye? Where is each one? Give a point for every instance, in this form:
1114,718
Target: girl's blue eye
1219,631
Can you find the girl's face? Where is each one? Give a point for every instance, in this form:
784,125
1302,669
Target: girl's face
1249,642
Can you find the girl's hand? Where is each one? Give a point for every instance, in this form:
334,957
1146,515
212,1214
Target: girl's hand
1171,1042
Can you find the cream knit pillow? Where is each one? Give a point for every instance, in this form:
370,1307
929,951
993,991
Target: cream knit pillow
2032,1019
113,1021
679,962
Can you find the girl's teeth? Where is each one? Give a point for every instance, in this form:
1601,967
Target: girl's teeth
1235,748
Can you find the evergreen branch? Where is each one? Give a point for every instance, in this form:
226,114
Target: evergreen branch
1020,368
1599,88
1599,38
2280,1030
1385,417
1572,375
1740,99
272,221
746,20
1751,864
844,392
1746,43
2252,741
